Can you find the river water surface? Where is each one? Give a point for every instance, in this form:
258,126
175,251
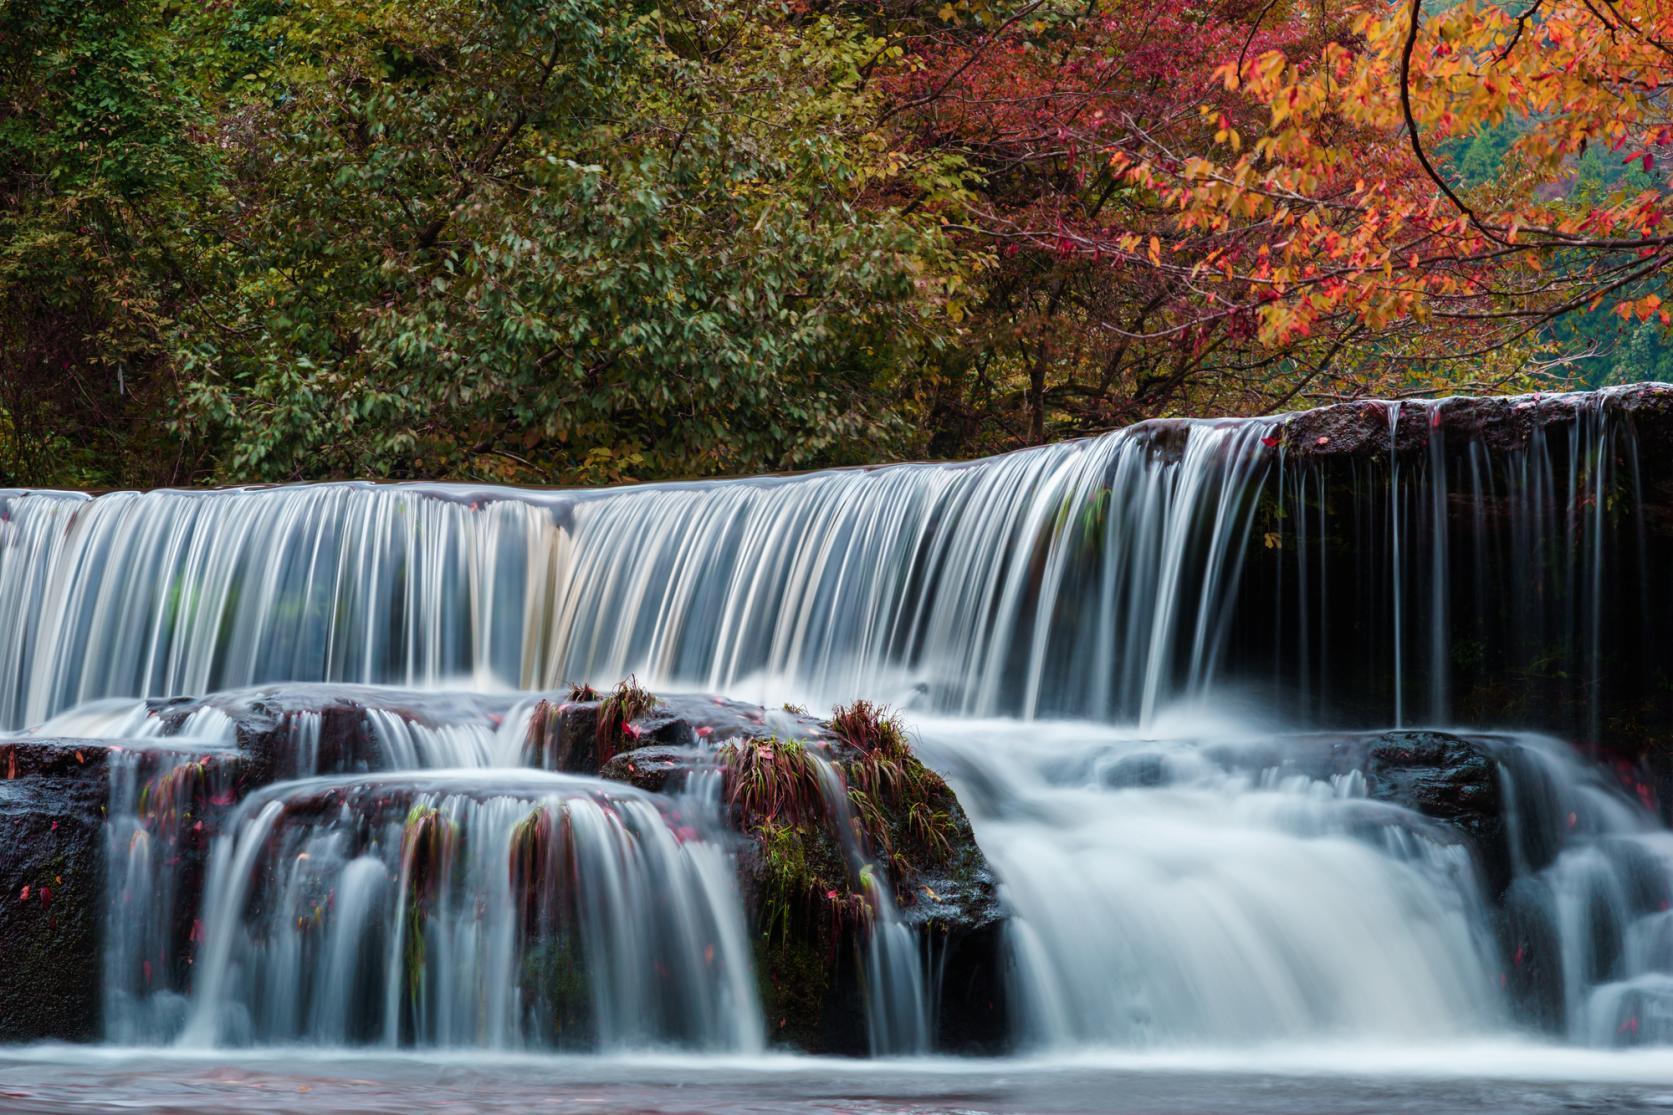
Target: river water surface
1468,1080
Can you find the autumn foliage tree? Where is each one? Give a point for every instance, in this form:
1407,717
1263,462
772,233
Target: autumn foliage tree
1235,206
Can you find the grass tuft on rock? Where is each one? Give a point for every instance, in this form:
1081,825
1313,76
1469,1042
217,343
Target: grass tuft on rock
903,808
617,712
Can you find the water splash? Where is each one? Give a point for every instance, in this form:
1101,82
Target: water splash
1187,892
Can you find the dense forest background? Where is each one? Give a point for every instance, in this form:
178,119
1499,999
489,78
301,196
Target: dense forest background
582,241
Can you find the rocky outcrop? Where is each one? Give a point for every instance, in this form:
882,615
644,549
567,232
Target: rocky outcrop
1450,779
52,799
870,826
843,830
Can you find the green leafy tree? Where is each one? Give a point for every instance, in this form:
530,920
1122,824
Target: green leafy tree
100,140
563,240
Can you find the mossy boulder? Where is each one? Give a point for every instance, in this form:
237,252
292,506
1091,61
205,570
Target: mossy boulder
834,825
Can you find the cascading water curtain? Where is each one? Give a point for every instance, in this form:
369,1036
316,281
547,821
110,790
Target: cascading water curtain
1502,585
1090,579
1102,579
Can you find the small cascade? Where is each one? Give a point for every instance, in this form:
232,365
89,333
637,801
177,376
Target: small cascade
540,911
484,905
120,718
164,801
1202,891
412,744
1589,920
896,983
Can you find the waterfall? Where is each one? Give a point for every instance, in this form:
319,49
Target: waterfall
1154,665
1204,891
451,910
1101,579
167,593
950,580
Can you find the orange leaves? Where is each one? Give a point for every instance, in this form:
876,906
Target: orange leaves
1645,308
1210,179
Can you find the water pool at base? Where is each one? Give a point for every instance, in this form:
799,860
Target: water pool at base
1470,1080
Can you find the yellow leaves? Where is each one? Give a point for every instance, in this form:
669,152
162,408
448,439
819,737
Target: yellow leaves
1155,252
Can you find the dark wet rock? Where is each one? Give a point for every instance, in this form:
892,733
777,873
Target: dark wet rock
572,735
813,859
1442,776
717,720
1451,779
564,736
958,913
658,769
52,803
583,737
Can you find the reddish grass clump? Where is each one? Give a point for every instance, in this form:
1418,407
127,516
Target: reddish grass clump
772,780
625,704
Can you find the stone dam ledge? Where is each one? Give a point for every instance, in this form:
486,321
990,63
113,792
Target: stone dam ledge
1375,429
806,907
1500,423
